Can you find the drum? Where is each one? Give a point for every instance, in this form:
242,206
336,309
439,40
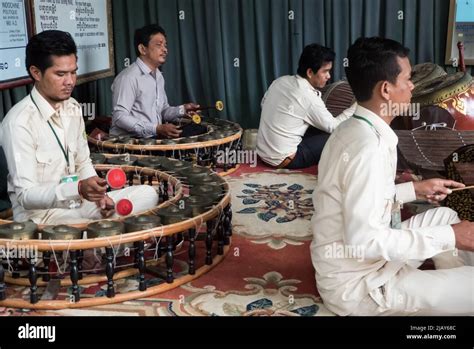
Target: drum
337,96
460,167
454,93
425,72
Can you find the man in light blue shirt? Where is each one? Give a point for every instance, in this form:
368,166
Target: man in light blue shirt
140,105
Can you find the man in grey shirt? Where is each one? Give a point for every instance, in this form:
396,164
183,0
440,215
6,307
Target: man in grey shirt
140,105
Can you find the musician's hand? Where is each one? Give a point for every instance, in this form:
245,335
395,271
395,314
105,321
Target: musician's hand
190,107
435,190
107,206
464,234
168,131
93,188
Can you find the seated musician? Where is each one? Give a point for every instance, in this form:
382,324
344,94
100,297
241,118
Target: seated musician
140,105
366,259
45,145
295,124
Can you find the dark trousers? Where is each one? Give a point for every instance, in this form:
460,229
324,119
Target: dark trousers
310,149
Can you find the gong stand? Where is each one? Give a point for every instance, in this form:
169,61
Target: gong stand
189,207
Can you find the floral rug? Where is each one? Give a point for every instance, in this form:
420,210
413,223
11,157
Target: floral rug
273,207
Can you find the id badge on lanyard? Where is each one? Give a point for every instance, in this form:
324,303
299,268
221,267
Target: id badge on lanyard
72,204
396,221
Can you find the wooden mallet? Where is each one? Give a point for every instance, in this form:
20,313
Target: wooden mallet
465,188
219,106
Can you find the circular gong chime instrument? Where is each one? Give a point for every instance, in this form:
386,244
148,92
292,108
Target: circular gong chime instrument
207,149
193,212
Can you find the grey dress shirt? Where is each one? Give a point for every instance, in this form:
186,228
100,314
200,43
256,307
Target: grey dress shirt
140,102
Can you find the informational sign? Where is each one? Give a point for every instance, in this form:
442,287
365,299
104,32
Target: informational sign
90,24
461,29
13,41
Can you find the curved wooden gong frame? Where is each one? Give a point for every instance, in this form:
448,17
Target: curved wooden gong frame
84,244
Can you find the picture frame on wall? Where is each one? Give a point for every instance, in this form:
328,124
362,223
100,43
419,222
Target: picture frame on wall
90,24
460,29
15,30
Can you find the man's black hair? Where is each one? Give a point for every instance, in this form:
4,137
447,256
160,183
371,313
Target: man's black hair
143,35
372,60
313,57
48,43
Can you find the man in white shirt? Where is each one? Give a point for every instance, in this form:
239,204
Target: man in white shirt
295,123
140,104
45,145
366,260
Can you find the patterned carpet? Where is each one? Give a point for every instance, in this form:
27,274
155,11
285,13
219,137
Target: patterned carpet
267,272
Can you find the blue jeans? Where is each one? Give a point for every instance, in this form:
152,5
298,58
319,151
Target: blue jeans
309,150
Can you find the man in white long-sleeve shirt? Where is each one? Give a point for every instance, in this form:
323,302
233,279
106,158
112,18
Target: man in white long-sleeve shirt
295,123
366,260
45,145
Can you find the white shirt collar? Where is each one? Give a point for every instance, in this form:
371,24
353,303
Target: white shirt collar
305,83
46,110
382,128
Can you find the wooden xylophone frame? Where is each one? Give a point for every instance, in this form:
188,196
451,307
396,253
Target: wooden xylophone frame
217,219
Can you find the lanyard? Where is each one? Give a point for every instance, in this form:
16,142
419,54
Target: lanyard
65,152
364,119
